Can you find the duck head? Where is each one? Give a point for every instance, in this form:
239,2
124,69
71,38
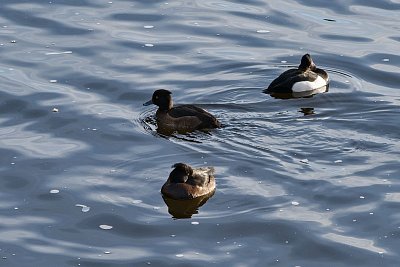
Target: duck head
307,63
161,98
181,173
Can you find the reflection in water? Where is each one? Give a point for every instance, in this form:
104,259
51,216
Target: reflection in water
340,209
307,111
181,209
304,94
149,124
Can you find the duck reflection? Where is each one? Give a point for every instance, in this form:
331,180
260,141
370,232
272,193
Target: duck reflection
305,94
187,188
307,111
184,209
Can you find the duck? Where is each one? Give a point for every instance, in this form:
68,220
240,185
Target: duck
307,77
185,182
181,118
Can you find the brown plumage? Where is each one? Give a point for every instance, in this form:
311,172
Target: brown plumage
182,118
185,182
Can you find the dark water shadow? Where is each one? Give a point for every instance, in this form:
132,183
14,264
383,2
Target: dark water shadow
54,27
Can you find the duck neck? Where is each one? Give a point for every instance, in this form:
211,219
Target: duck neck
167,106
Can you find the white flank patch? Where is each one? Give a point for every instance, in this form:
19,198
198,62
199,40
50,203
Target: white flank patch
308,86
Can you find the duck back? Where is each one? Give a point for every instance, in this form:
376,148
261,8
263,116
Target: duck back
185,118
199,183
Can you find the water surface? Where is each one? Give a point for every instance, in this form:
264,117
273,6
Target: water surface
300,182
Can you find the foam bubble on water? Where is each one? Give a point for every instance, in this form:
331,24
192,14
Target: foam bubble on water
136,201
385,60
263,31
362,197
338,161
84,207
148,45
305,161
195,223
105,227
53,81
58,53
54,191
148,26
179,255
295,203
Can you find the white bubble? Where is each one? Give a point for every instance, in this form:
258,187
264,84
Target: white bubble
305,161
84,207
295,203
105,226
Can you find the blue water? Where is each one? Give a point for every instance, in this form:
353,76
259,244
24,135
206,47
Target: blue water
300,182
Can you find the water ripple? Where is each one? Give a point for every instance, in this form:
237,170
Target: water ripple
300,182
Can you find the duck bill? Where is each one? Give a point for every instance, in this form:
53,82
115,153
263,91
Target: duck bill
148,103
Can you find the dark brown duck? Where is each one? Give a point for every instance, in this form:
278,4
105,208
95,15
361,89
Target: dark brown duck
181,118
185,182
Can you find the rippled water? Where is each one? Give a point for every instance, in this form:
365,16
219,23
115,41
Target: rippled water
300,182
